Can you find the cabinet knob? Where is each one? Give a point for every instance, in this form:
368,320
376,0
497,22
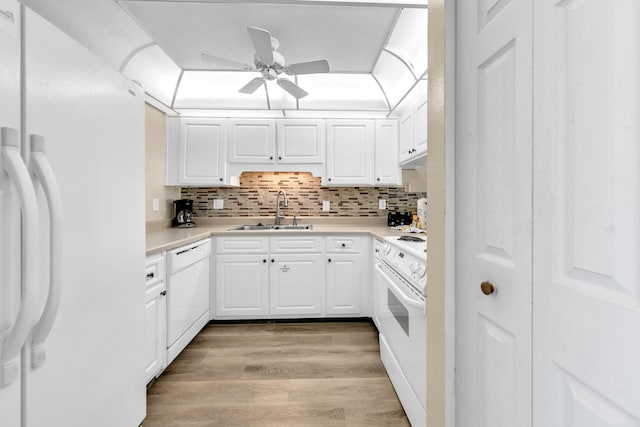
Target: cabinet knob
264,260
329,260
344,245
328,179
271,158
163,293
273,260
378,179
221,179
487,288
279,157
150,275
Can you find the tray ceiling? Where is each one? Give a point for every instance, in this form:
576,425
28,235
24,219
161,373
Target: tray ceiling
377,50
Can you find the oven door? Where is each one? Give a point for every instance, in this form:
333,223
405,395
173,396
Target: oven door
403,325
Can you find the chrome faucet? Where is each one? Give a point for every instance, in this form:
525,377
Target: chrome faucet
286,203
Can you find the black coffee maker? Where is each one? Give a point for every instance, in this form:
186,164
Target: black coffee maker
183,213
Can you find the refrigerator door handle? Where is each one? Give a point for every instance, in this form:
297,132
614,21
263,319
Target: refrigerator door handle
19,175
42,171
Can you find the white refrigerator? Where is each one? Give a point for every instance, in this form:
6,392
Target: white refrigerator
81,363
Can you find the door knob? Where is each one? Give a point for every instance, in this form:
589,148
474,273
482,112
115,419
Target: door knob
487,288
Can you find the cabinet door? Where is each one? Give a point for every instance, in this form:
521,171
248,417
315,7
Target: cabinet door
386,167
297,283
202,152
155,325
350,152
345,276
252,141
241,285
420,117
301,141
406,136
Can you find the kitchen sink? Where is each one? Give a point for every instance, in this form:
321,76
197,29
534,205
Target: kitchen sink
252,227
293,227
272,227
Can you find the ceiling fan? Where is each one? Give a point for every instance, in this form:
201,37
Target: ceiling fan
271,64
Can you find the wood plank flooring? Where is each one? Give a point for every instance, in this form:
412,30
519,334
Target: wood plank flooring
277,374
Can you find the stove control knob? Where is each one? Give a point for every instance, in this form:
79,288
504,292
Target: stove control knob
386,248
421,271
413,267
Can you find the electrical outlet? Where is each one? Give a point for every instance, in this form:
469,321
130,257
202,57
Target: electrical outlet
326,205
382,204
218,204
156,205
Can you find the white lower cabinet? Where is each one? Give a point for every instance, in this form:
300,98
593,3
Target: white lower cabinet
291,276
242,285
345,273
155,317
296,284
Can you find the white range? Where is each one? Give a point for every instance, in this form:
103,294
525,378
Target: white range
400,314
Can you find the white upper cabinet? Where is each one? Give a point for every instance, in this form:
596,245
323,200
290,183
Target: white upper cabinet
386,170
413,135
406,135
350,156
301,141
345,152
202,151
252,141
421,126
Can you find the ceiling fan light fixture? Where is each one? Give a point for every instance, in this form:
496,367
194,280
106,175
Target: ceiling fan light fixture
271,64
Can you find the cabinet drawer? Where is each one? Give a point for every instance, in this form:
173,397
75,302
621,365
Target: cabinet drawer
296,244
243,245
154,269
354,244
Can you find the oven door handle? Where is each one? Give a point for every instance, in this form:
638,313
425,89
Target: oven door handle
419,304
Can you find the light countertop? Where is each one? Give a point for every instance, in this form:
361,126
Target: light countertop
160,237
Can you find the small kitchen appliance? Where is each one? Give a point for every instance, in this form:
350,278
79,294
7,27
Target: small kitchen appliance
399,218
183,213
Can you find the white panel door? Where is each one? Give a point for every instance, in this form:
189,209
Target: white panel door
587,213
386,170
242,285
350,152
493,213
202,151
296,284
301,141
252,141
9,205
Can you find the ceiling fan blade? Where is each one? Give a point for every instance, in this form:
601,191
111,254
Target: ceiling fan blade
292,88
261,40
311,67
226,62
252,86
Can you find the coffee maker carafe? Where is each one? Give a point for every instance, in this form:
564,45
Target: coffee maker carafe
183,213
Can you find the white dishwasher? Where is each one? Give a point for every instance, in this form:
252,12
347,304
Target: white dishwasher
188,287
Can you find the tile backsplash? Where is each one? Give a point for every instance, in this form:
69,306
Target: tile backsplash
256,196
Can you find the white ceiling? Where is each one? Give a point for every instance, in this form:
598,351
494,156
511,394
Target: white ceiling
377,50
350,38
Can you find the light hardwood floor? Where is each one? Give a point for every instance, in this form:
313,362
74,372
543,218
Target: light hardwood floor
277,374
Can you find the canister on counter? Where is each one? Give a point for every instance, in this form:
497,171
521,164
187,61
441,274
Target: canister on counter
422,213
